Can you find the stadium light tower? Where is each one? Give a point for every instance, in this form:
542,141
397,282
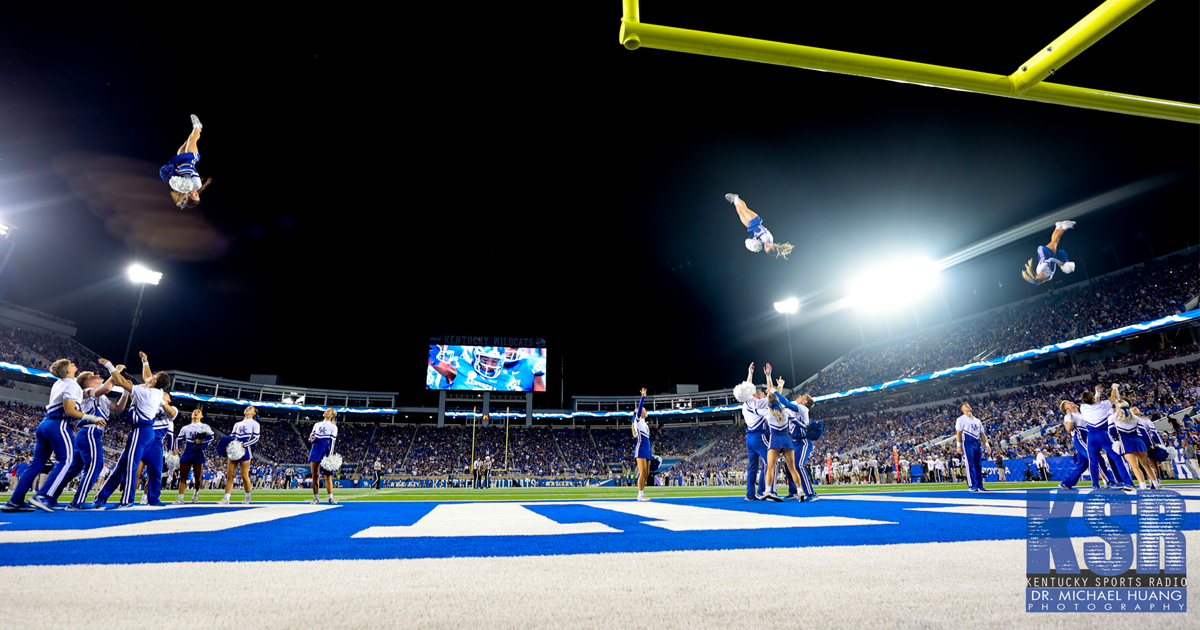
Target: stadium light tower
893,285
143,276
789,307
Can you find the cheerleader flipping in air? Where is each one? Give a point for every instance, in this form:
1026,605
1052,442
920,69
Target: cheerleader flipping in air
760,239
180,173
1050,257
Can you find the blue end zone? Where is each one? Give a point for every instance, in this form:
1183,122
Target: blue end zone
328,534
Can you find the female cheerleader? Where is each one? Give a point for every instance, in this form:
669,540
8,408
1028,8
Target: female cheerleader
246,432
181,173
1050,257
193,437
1130,431
760,237
641,452
322,437
781,443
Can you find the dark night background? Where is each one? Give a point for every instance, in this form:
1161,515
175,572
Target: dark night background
383,175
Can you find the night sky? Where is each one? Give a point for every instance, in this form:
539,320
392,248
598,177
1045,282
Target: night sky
378,179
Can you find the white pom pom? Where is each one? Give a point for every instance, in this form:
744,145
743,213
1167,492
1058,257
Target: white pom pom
331,463
182,184
170,460
754,245
744,391
1068,267
235,451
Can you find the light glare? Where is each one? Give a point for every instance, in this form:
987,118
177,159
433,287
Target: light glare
141,275
789,306
893,285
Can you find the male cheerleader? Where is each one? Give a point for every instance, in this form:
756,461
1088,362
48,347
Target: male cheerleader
322,437
798,428
1074,424
969,433
146,401
193,438
53,436
89,450
754,412
1096,414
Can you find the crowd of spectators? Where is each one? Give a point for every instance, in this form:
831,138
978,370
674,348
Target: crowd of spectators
390,447
40,349
434,451
579,452
1156,289
681,441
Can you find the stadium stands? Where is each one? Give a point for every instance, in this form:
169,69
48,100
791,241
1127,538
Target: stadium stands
1160,287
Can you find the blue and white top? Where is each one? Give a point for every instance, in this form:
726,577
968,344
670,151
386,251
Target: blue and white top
1049,260
1080,431
759,231
1096,415
192,432
780,425
797,419
64,389
246,431
93,405
971,428
164,426
755,411
144,404
326,432
639,422
1148,431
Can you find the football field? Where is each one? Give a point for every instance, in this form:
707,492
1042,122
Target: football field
907,556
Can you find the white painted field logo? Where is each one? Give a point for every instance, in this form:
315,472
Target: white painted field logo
1106,583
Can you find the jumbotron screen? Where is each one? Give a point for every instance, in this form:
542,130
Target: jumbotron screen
486,368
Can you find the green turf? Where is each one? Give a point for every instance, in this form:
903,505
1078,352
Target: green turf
559,494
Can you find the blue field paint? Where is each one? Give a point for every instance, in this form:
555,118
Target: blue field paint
329,534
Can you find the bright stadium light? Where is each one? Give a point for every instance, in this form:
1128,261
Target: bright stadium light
893,284
141,275
788,306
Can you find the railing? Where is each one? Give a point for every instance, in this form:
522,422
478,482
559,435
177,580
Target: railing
45,316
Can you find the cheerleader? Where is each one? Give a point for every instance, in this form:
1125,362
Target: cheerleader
1050,257
781,443
641,452
247,432
1129,431
89,450
53,437
322,437
754,413
760,237
193,437
1097,415
180,173
798,424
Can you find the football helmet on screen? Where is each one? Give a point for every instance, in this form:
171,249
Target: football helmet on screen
488,361
512,355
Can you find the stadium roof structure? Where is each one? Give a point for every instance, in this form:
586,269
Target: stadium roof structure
1027,82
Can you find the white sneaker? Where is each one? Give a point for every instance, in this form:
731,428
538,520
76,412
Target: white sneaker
1064,225
145,500
246,501
332,501
178,501
196,122
223,502
315,501
731,197
642,497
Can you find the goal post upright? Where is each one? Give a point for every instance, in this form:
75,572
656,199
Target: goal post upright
1025,84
